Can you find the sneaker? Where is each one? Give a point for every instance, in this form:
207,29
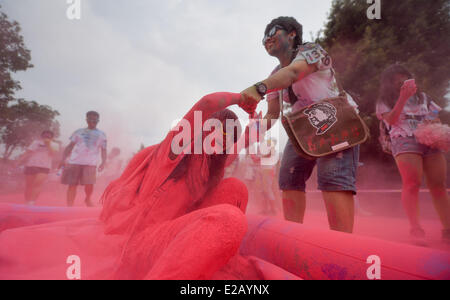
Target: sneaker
418,236
417,232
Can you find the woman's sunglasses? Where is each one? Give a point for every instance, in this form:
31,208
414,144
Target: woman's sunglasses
271,33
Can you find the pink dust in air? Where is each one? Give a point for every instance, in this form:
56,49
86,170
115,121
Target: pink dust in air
137,226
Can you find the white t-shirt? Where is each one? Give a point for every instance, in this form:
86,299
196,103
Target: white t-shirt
414,107
40,156
88,144
316,86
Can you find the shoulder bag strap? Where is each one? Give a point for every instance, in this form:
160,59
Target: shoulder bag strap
280,97
338,83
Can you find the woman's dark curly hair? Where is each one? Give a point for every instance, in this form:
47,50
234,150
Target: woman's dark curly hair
389,93
290,24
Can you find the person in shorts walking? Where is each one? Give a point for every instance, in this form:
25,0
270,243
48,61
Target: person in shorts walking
38,162
86,145
403,108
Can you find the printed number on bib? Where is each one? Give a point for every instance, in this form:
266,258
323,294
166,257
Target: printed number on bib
314,54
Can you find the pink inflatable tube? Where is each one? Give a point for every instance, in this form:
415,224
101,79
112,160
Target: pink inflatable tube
318,254
14,215
303,251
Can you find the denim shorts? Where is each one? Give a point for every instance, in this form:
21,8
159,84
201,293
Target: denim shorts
335,172
402,145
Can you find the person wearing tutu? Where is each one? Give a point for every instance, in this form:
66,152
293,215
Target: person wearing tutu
403,109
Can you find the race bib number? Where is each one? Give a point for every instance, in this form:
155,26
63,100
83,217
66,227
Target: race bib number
313,54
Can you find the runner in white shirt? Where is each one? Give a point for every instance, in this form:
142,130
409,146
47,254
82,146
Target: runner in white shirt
83,153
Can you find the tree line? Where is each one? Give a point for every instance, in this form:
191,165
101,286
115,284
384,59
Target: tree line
415,33
20,120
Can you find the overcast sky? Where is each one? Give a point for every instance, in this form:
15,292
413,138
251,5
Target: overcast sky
143,63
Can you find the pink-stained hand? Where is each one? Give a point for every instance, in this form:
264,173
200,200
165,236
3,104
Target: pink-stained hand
408,89
249,100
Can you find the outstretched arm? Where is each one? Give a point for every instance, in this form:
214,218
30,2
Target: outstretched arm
282,79
208,105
